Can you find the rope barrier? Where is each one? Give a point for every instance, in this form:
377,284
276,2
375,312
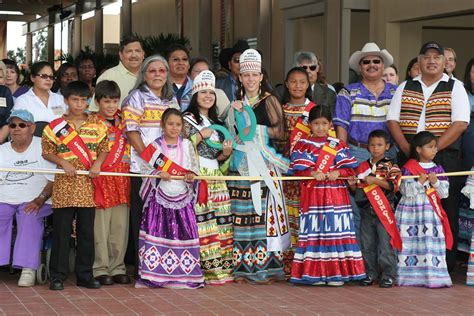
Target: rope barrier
225,178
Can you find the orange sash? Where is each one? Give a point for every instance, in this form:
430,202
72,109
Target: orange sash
162,163
301,129
382,208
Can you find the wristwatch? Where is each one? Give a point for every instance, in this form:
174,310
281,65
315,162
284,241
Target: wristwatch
43,196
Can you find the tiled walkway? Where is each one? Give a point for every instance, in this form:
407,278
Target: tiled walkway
235,299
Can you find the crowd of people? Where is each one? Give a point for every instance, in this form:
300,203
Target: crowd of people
374,204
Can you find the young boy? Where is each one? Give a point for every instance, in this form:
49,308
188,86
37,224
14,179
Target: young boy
112,194
75,141
375,196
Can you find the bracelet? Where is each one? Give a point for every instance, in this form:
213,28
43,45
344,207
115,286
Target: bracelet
225,156
43,196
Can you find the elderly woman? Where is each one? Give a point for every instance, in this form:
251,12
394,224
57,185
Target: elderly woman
6,105
142,111
23,196
259,240
12,78
66,73
39,100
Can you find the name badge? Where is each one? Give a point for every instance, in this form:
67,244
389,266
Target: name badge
3,102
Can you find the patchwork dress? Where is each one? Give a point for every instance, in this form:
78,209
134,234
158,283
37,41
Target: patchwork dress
214,216
327,249
466,226
422,261
169,240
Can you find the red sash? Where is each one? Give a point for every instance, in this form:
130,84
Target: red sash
69,137
382,208
326,158
113,159
415,169
162,163
118,148
301,129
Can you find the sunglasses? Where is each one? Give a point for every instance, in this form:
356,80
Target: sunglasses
45,76
373,61
312,67
21,125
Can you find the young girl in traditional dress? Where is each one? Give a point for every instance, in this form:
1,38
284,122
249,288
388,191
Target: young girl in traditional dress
169,241
422,222
214,217
327,250
296,106
466,226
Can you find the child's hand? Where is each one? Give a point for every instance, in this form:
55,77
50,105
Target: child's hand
433,178
94,171
165,176
422,179
237,105
333,175
68,168
352,180
189,177
369,180
318,175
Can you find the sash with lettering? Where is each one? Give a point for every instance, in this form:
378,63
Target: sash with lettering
381,206
114,157
69,137
301,129
326,158
415,169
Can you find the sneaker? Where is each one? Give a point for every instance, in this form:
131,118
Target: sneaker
27,277
367,281
335,283
386,283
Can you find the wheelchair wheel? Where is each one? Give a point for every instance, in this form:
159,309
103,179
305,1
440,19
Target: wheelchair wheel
41,274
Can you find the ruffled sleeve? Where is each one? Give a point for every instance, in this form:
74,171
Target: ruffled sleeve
468,190
303,159
132,111
410,187
345,162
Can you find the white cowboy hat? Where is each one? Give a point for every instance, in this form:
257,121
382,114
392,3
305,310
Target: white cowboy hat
368,50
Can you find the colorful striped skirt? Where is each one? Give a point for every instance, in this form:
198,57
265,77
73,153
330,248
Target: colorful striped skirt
422,261
252,260
466,236
292,196
169,242
327,248
216,232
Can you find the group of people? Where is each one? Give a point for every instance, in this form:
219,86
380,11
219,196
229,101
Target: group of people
371,206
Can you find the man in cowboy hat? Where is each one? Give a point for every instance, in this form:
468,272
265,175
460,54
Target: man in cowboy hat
361,107
433,102
229,60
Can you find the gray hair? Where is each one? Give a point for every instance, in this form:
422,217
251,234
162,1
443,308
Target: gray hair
167,92
303,55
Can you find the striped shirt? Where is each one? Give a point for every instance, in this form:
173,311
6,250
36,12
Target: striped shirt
359,112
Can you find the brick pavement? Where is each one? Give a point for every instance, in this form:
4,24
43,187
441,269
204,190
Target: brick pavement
235,299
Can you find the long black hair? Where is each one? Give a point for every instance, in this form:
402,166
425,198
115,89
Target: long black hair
410,65
285,98
420,139
467,76
193,108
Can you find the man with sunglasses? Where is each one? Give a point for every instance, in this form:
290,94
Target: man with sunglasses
23,196
433,102
361,107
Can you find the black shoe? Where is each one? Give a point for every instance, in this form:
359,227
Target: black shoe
386,283
56,285
368,281
105,279
90,284
122,279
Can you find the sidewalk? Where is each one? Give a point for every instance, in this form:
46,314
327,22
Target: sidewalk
235,299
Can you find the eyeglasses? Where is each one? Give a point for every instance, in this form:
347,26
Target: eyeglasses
161,71
45,76
21,125
312,67
373,61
